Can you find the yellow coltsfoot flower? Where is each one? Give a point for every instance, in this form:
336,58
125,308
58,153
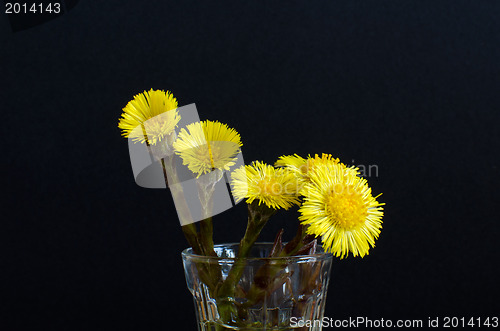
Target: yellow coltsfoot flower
145,107
339,207
303,168
208,145
294,163
274,187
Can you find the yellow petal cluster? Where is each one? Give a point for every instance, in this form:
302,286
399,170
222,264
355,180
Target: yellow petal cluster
142,113
274,187
339,206
303,168
208,145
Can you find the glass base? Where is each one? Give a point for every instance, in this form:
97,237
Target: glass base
269,294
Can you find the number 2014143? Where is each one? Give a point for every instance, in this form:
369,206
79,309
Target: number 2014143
455,322
32,8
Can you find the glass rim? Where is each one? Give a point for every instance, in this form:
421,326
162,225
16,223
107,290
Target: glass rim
319,256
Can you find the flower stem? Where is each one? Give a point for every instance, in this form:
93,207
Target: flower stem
258,215
206,237
206,187
267,278
191,236
207,274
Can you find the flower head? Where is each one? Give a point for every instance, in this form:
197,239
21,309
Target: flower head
295,163
208,145
339,207
304,168
142,113
275,187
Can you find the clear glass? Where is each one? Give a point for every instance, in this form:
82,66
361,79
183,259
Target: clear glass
270,293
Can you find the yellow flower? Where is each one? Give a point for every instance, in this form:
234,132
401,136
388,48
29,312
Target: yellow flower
295,163
339,207
144,108
208,145
303,168
275,187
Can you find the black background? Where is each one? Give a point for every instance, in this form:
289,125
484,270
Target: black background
410,86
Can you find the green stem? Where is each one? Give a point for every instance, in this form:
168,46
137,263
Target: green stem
191,236
257,219
206,187
266,279
213,269
206,237
176,190
258,215
207,273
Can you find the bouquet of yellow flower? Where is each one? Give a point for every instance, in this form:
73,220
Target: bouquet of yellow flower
236,289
